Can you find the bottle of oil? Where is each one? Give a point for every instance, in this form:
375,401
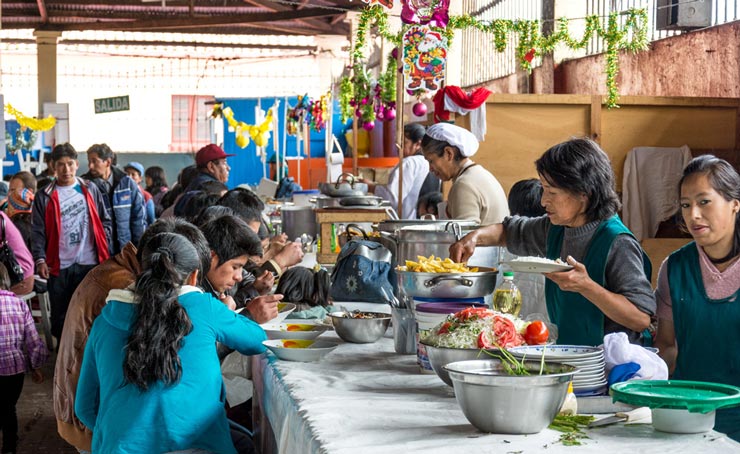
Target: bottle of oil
507,298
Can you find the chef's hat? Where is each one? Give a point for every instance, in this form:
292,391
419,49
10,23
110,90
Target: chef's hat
456,136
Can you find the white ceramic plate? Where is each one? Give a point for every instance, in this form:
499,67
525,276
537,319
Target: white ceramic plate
302,350
564,353
300,329
520,266
284,309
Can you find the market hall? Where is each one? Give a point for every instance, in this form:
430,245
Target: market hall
276,226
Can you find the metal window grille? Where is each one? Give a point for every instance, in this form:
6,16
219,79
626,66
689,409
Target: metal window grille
191,127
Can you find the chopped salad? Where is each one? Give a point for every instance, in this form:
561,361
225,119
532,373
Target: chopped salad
477,327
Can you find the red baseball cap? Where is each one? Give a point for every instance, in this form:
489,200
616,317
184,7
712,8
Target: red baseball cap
210,153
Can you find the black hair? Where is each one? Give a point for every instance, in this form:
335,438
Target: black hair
210,213
28,179
43,182
230,237
303,285
430,201
193,205
181,227
726,181
213,187
437,147
245,203
525,198
63,150
158,177
103,151
414,132
4,278
161,322
23,222
187,175
580,166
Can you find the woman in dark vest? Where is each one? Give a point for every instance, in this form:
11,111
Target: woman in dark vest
608,290
698,290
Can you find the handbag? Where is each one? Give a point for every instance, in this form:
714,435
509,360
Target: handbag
7,258
362,273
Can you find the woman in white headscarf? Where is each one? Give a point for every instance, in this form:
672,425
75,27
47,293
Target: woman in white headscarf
475,194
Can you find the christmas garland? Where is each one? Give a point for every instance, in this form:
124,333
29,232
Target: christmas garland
34,124
20,142
631,37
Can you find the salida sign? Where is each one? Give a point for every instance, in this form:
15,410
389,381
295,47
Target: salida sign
115,104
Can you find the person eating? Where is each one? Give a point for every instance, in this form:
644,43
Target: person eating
608,289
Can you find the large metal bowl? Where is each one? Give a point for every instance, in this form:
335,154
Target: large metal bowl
496,402
360,330
442,356
448,285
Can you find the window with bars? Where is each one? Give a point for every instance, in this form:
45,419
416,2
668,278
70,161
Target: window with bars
191,122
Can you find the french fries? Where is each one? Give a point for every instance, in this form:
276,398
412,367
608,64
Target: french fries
434,264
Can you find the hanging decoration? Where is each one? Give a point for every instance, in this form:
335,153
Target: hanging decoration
454,99
385,90
319,110
424,58
20,142
346,95
297,116
530,43
387,3
260,134
35,124
423,12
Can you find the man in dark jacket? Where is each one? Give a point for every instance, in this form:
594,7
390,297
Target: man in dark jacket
124,201
71,232
212,165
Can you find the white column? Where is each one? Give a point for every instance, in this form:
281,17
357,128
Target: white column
46,63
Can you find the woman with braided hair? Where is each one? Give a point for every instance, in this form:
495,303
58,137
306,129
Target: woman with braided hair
150,379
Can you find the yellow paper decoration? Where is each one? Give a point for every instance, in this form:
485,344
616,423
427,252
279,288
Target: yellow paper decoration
260,134
35,124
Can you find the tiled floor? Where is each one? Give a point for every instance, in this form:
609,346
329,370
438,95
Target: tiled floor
37,426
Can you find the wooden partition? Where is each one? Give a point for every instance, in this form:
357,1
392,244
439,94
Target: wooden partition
521,127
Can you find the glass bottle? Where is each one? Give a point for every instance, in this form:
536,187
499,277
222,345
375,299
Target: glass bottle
507,298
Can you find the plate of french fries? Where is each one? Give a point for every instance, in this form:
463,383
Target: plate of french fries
435,277
434,264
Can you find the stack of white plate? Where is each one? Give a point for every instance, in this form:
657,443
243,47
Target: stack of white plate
590,379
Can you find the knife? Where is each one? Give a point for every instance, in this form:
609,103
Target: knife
628,416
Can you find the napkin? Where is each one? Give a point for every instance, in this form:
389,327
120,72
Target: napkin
618,350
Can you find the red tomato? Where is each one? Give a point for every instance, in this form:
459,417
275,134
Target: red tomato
505,332
536,333
473,313
445,328
484,341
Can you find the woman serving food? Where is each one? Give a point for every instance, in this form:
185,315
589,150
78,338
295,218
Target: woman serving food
699,285
608,289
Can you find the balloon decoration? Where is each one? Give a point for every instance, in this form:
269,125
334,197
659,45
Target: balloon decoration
260,134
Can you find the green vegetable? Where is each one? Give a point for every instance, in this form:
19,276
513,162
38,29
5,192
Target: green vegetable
571,426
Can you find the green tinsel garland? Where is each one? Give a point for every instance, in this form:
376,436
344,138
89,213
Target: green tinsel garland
631,37
387,81
346,94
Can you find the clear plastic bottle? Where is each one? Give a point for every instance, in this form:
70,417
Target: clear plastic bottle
507,298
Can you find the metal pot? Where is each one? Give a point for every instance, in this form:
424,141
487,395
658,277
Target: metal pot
298,220
391,226
448,285
344,187
361,200
324,201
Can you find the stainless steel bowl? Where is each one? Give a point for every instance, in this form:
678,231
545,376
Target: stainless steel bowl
496,402
441,356
360,330
448,285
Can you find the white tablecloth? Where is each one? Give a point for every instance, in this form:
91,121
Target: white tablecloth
365,398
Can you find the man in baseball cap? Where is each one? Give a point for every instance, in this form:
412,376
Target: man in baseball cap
212,165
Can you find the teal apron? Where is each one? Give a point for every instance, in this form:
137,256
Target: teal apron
707,332
579,321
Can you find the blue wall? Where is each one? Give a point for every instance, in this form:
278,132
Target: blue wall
246,166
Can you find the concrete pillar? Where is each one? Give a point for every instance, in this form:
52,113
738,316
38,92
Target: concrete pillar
548,63
46,63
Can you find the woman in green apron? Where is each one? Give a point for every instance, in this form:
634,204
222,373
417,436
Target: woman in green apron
608,290
698,290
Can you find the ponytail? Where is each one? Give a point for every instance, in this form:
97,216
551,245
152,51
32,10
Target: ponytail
161,322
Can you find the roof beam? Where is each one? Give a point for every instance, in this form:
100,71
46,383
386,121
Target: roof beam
42,11
272,6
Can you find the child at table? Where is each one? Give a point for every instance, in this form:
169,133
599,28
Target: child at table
20,345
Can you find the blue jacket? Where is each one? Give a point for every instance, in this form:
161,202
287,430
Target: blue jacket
188,414
125,204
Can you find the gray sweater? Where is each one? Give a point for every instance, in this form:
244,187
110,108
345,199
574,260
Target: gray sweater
624,265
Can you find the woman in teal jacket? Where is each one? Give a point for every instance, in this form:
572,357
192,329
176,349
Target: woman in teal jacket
608,290
699,285
150,379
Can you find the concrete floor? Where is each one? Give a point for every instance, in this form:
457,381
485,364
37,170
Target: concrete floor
37,427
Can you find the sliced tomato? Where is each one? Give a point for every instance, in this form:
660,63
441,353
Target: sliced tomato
484,341
473,313
445,328
536,333
505,332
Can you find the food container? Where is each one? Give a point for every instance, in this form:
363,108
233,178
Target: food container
679,421
303,198
448,285
442,356
360,330
496,402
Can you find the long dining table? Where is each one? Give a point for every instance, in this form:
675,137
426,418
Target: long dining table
366,398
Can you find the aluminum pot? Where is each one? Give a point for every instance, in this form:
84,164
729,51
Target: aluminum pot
496,402
391,226
448,285
298,220
324,201
345,186
414,241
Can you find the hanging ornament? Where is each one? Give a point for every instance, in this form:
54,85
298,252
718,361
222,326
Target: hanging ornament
260,134
423,12
387,3
529,56
424,59
389,113
35,124
419,109
368,125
